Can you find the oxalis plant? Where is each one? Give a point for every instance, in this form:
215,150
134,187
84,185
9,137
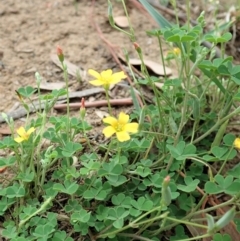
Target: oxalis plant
152,178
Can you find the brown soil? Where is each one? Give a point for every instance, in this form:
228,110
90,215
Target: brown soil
31,30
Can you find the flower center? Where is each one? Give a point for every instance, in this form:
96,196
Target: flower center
25,136
119,127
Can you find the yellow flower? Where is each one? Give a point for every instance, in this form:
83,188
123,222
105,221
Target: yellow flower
236,143
177,51
106,77
23,135
120,126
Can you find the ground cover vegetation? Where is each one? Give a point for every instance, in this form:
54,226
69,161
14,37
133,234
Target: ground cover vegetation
151,179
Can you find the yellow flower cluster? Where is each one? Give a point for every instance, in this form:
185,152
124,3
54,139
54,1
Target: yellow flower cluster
121,126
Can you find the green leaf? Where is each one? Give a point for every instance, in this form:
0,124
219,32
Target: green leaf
218,61
69,187
222,237
229,155
72,205
27,176
117,200
228,139
61,236
224,38
206,64
43,231
173,38
143,171
223,70
235,171
188,37
82,228
209,158
118,214
212,188
70,148
156,15
27,91
178,150
9,161
99,192
222,184
186,201
210,38
237,222
219,151
233,188
191,184
9,232
115,180
142,204
5,203
15,191
118,223
82,216
179,233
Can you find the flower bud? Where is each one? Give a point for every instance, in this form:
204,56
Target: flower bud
3,169
226,218
110,15
60,54
137,47
166,191
82,109
38,78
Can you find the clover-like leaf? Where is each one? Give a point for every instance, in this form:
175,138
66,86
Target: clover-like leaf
81,216
191,185
27,91
68,187
70,148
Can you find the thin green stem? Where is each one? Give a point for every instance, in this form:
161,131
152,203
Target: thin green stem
65,73
218,123
225,161
41,209
108,101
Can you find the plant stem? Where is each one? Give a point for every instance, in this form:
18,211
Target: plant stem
65,73
108,101
42,208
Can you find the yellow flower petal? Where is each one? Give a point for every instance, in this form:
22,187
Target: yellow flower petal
96,82
236,143
18,139
131,127
94,73
123,136
123,118
21,131
23,135
118,76
110,120
30,131
106,74
108,131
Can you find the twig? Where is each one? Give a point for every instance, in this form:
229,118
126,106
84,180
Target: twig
126,101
